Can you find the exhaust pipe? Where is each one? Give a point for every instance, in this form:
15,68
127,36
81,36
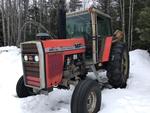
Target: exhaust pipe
61,19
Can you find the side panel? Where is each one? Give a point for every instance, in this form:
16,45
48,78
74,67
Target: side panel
54,68
55,50
67,46
107,48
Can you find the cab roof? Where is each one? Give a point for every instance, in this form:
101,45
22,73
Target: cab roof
81,12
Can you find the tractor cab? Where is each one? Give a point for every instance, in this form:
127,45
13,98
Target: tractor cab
94,26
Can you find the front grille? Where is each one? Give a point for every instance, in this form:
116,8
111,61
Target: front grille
31,67
29,49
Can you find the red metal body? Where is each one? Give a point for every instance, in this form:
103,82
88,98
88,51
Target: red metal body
55,58
48,72
55,51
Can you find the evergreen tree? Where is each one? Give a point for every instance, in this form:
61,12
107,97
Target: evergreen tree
144,24
140,19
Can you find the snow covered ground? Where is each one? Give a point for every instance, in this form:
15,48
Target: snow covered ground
134,99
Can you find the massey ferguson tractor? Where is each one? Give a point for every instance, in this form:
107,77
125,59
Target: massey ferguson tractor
89,46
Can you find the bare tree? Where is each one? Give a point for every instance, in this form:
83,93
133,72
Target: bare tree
15,13
130,27
122,8
132,24
19,22
3,22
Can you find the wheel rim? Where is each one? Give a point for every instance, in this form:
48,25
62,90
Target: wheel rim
124,67
91,102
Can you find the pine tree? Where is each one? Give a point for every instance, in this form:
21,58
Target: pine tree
144,24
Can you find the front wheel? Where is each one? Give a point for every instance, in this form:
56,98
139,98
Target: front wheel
86,97
22,90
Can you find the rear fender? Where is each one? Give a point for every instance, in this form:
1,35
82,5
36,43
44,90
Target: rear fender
107,49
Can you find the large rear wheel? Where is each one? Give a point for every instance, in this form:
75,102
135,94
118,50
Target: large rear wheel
118,66
86,97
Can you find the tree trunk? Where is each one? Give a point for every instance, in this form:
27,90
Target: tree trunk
19,24
3,23
129,27
132,11
123,19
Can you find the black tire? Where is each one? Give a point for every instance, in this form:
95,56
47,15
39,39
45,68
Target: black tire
118,66
22,90
86,94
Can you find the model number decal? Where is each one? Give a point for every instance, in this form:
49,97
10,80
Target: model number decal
57,49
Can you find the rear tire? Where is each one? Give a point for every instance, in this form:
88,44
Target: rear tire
118,66
86,97
22,90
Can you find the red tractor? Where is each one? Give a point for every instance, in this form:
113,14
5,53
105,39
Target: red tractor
89,46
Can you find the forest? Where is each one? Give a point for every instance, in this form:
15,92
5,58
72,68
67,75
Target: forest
21,20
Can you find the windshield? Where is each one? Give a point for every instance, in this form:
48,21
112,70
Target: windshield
78,26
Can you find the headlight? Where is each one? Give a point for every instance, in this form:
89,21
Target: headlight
36,58
25,57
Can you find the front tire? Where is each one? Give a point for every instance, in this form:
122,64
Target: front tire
86,97
22,90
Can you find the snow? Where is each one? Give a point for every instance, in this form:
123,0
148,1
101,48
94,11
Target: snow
90,3
134,99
